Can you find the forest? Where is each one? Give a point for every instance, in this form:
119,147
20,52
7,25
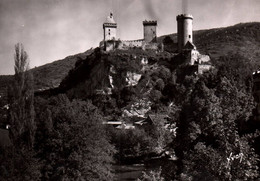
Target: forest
60,135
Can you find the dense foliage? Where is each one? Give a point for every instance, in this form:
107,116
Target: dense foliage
72,142
52,138
208,125
18,161
218,107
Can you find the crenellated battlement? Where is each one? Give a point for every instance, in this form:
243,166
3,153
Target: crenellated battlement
151,23
113,25
129,41
184,16
126,44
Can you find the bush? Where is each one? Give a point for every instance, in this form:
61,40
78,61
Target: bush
131,143
152,176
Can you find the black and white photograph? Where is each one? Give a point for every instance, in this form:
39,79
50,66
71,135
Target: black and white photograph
129,90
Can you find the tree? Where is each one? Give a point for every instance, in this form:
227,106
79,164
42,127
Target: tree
213,149
18,161
21,100
76,146
131,144
167,40
155,175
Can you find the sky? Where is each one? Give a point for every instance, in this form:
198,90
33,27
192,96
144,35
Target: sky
54,29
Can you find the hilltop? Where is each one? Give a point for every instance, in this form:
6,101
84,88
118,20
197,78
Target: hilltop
243,38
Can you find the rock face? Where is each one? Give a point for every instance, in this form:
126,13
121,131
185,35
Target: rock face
133,81
132,78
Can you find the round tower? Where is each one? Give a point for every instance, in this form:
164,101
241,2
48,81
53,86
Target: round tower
110,27
184,30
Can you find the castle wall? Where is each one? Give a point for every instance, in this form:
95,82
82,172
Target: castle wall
131,44
125,45
150,46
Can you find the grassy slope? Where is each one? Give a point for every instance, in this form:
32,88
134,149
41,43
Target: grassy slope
242,38
50,75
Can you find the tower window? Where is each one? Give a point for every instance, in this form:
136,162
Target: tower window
189,36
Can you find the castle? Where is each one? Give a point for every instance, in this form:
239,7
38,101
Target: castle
149,42
110,41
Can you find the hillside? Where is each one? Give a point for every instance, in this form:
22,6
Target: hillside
157,100
133,82
243,38
117,78
49,75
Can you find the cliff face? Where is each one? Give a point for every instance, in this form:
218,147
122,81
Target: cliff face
125,78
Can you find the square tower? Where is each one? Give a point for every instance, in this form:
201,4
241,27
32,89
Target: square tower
110,28
150,31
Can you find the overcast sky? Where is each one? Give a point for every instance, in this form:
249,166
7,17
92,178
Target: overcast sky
53,29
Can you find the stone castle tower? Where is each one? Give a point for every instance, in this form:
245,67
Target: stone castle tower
110,41
184,30
150,31
110,28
